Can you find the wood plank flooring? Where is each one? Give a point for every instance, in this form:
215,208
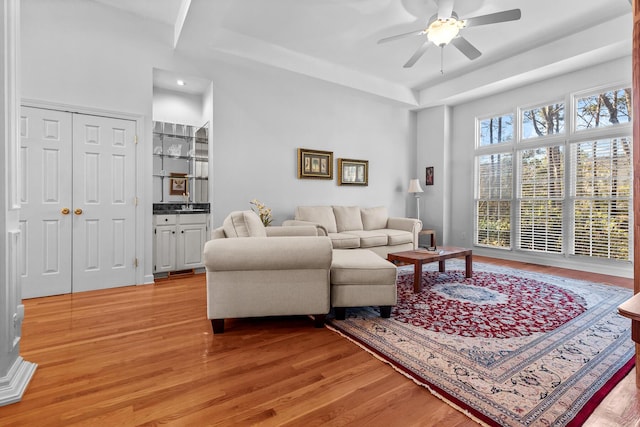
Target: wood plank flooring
145,355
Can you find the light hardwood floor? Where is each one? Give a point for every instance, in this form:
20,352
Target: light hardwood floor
145,355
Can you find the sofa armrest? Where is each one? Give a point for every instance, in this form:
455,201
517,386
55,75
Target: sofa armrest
300,230
268,253
407,224
322,231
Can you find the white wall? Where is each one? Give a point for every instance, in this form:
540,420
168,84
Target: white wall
462,159
261,117
85,54
178,107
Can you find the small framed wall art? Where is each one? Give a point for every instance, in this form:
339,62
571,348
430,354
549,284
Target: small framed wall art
353,172
315,164
429,179
178,184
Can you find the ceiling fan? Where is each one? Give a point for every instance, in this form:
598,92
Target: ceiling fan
444,28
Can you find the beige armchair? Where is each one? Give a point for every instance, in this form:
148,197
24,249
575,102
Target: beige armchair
255,271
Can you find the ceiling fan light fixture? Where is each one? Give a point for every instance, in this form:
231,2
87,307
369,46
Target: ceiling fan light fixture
442,31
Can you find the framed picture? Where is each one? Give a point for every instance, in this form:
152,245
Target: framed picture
178,184
353,172
429,179
315,164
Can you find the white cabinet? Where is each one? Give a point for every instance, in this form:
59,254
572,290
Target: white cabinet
178,241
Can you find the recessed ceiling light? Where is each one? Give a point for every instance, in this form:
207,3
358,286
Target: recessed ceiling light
181,83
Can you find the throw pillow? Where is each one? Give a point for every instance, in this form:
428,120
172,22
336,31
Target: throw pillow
322,215
243,224
374,218
347,218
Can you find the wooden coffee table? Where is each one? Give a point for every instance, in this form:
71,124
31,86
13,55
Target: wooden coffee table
419,257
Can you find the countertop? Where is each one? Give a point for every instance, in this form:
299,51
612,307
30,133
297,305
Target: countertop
177,208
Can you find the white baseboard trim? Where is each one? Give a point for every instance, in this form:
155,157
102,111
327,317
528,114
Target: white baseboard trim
612,268
13,385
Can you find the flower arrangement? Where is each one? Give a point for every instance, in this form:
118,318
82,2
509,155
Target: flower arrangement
263,212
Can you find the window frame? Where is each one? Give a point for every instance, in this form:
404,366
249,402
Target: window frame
478,126
594,133
566,139
520,139
477,197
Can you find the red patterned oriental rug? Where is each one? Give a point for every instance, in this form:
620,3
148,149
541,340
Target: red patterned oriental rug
506,347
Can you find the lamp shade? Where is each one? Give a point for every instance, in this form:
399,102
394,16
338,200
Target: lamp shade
414,186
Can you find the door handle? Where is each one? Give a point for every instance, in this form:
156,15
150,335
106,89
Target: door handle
78,211
65,211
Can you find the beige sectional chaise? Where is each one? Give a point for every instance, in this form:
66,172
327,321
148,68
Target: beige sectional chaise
278,271
352,227
254,271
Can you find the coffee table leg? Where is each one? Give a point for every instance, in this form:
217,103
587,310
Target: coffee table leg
469,267
441,266
417,276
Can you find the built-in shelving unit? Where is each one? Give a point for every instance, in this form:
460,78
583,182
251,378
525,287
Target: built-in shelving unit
180,163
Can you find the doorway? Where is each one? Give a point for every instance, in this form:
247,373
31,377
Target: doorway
78,202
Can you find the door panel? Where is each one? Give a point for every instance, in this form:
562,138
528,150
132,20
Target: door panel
165,241
78,211
190,243
104,231
46,231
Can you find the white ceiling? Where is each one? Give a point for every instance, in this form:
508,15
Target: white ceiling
336,40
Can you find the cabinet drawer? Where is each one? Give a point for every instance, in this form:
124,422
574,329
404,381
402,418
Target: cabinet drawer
192,219
164,219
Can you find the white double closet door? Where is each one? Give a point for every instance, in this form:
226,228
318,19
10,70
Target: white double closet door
78,202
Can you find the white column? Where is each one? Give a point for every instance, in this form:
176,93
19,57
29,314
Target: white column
15,372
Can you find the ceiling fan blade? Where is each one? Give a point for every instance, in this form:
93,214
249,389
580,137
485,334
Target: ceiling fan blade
445,9
465,47
401,36
418,54
493,18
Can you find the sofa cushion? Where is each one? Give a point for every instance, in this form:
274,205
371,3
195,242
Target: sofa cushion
371,238
374,218
243,224
344,241
322,215
361,267
347,218
397,237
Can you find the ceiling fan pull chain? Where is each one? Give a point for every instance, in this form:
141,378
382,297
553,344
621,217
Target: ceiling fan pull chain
442,60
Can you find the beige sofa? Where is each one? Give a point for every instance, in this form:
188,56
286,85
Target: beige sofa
278,271
352,227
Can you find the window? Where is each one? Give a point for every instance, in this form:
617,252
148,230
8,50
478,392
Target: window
601,189
543,121
493,201
542,189
496,130
603,109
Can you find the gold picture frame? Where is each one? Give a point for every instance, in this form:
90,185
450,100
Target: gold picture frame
315,164
178,184
353,172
